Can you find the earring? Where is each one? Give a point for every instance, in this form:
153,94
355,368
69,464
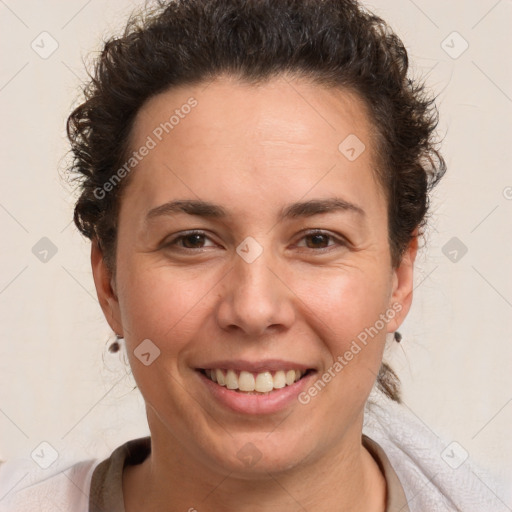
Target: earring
116,345
398,337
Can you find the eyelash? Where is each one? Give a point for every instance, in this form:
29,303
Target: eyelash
315,232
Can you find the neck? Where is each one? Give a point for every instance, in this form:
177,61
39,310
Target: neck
171,479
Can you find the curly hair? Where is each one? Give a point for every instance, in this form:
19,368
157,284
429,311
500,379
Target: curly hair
334,43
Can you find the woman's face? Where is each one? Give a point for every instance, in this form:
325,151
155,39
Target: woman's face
289,268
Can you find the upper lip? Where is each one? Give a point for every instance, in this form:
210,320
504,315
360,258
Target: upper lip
269,365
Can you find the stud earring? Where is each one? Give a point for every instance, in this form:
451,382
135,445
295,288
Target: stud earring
116,345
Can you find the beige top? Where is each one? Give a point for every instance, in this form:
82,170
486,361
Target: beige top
107,488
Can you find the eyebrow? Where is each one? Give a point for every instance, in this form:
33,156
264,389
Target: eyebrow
294,210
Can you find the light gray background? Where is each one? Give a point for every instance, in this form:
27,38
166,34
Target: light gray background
58,382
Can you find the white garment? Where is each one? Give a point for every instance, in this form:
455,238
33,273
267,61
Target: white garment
430,483
428,467
64,489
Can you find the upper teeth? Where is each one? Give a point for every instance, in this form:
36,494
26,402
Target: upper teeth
261,382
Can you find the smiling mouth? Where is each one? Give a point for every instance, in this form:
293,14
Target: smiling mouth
254,383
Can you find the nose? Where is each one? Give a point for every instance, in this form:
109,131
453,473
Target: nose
255,298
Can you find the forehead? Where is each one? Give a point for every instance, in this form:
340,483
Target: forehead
222,135
281,109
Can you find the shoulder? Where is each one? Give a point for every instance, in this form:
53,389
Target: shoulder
70,486
64,488
435,474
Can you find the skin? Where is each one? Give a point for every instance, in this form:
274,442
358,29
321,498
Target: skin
254,150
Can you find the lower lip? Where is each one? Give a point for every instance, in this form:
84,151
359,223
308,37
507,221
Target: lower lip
257,404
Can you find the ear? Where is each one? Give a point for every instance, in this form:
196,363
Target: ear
105,289
402,288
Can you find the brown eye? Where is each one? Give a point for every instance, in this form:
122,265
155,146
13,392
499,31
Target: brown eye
320,240
191,240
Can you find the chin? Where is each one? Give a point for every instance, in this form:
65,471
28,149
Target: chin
251,456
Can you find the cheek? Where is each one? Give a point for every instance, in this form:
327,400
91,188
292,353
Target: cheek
165,308
159,305
345,309
346,302
354,335
348,312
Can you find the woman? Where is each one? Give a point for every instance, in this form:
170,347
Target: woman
254,180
